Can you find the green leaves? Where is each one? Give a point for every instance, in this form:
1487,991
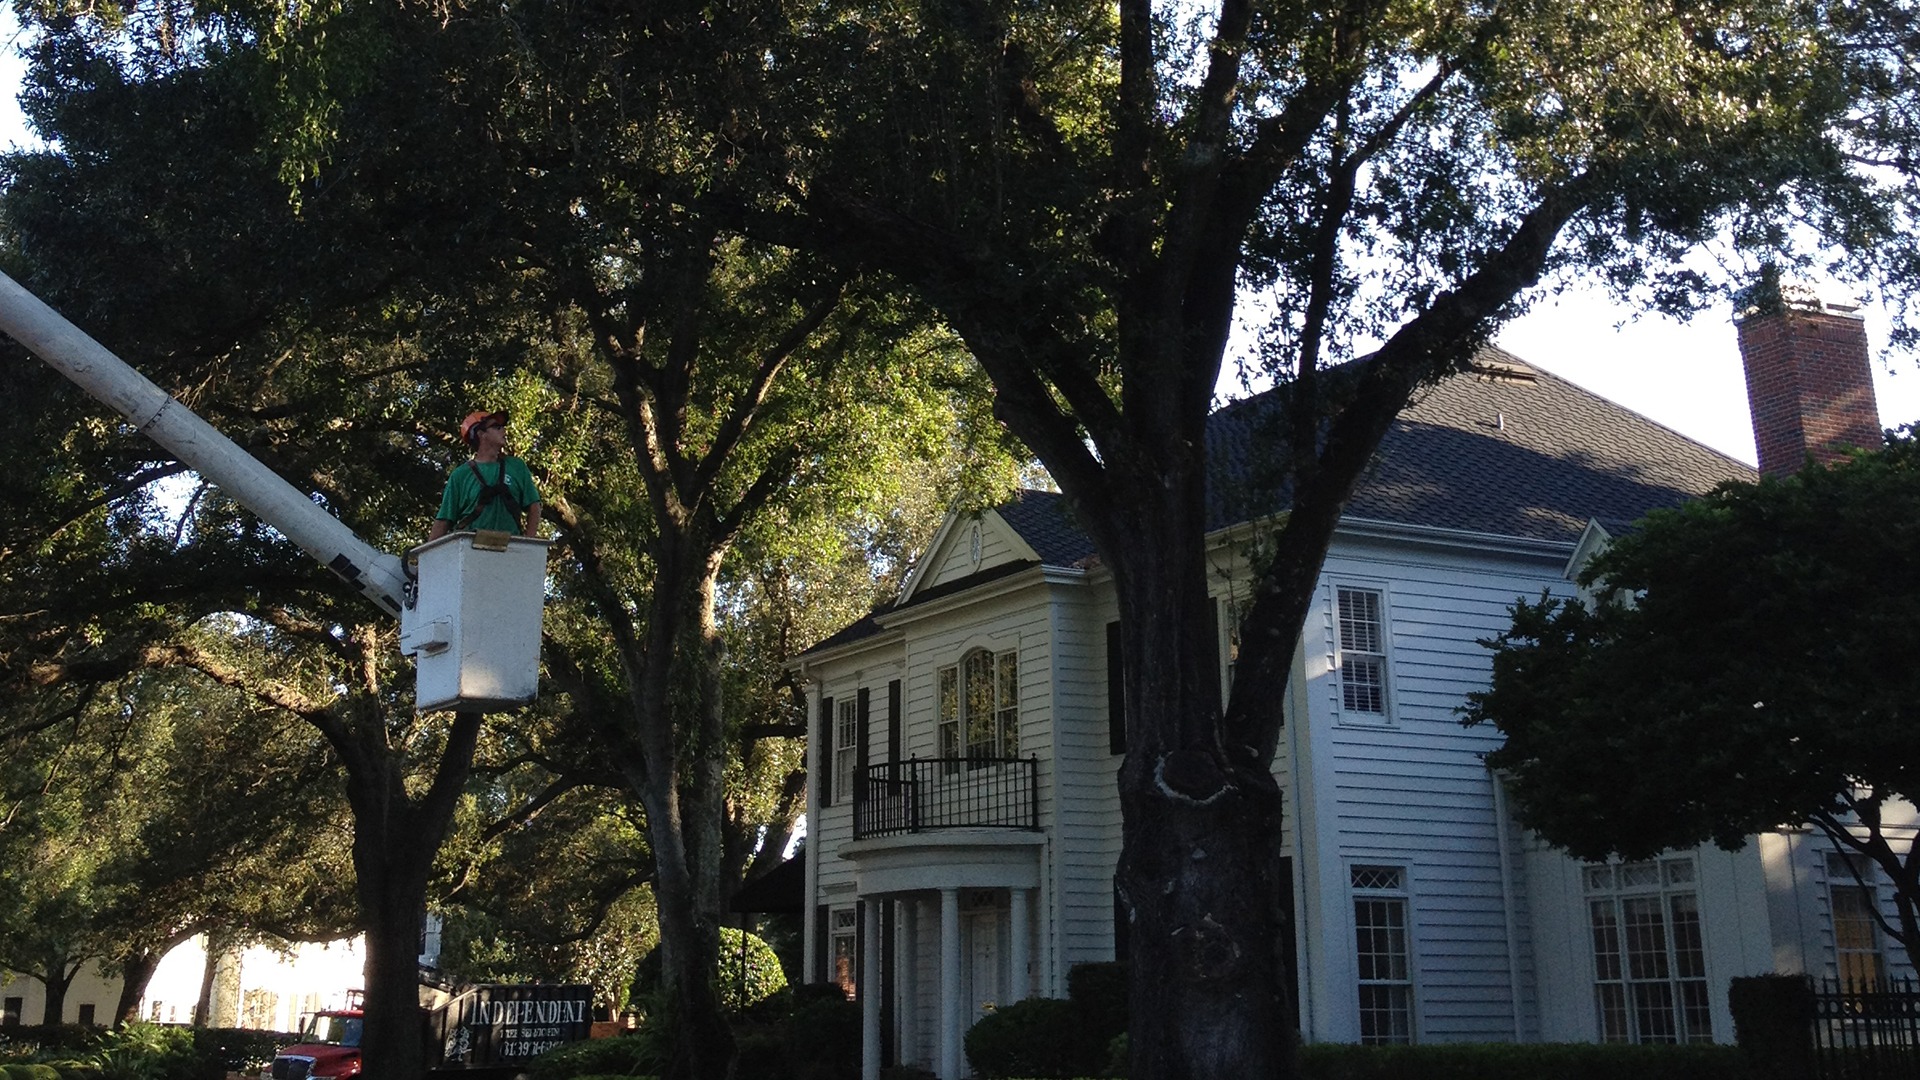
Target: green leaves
1746,665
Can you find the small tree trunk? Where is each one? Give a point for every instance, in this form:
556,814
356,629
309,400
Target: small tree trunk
57,977
136,972
203,1005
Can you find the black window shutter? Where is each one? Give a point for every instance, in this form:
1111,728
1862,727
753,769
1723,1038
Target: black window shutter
864,712
1116,693
895,732
859,950
822,945
826,751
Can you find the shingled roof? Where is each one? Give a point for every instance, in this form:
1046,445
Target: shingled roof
1505,449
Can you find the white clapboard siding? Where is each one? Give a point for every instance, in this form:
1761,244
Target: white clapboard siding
1410,789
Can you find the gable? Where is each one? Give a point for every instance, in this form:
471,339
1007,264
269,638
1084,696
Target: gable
966,545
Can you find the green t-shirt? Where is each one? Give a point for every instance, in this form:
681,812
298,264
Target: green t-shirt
463,495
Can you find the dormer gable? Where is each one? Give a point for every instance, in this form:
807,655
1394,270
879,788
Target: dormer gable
968,543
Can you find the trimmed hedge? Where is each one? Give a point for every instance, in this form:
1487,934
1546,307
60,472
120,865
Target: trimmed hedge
1516,1061
1771,1017
29,1038
1038,1037
1522,1061
622,1055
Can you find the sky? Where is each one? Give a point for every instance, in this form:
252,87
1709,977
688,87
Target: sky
1686,376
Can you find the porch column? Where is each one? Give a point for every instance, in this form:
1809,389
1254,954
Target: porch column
1021,986
907,982
870,989
950,1032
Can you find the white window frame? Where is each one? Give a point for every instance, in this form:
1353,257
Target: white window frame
1351,656
962,732
1382,906
1859,951
1648,948
843,949
846,745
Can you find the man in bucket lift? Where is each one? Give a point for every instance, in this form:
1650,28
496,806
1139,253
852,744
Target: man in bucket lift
493,489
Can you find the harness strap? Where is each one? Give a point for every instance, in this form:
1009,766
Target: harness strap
488,493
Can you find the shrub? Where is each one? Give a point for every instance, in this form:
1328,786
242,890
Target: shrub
21,1040
1038,1037
1099,991
142,1051
1521,1061
622,1055
224,1050
1771,1017
823,1036
749,971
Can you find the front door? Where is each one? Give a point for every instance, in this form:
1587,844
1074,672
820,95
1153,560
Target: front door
986,983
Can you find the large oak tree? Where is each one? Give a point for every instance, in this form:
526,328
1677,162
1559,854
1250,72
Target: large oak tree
1085,190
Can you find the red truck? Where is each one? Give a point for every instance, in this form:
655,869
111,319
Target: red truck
486,1032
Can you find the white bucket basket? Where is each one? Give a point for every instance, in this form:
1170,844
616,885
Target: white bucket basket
474,626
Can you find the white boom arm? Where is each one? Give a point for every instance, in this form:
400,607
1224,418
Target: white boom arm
155,414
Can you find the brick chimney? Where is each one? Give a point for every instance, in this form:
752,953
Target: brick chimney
1809,380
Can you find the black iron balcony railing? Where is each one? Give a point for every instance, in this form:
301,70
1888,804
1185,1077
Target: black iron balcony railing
947,793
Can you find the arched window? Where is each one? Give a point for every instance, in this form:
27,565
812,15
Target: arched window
980,707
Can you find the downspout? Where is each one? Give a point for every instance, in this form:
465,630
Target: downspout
1504,842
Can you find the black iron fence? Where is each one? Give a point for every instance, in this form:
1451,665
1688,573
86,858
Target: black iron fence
1866,1031
947,793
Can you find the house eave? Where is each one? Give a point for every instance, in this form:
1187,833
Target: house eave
886,637
1462,539
899,618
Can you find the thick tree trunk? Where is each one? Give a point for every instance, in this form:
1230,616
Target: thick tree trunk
395,839
394,1040
1200,865
136,972
689,943
680,682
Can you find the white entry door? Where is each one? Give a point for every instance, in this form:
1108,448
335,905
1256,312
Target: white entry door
986,987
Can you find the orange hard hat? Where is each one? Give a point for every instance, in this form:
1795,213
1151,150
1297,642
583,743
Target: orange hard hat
475,418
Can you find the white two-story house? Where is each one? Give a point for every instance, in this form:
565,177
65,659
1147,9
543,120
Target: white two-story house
964,823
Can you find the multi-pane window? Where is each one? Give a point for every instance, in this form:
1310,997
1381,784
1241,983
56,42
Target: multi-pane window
979,708
1857,959
846,743
1382,954
1649,961
1363,651
845,936
10,1009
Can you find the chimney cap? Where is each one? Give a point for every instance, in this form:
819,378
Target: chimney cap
1771,296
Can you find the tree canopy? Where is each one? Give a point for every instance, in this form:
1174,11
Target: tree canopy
361,250
1079,191
1083,190
1744,662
